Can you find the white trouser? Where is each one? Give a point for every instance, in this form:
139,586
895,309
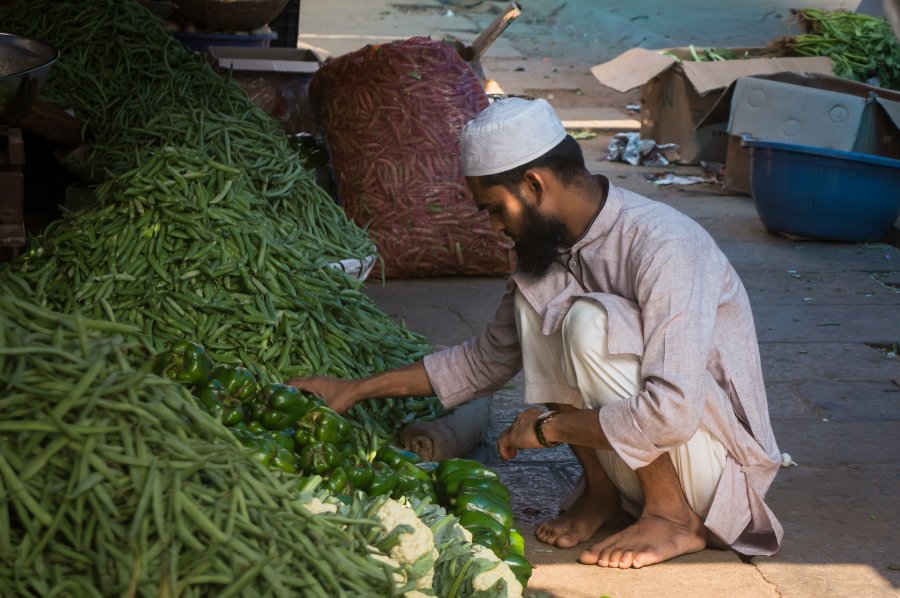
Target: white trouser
576,359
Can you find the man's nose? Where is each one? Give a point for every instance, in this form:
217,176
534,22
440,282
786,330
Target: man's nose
497,225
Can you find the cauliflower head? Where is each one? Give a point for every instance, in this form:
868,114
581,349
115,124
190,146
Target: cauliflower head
498,570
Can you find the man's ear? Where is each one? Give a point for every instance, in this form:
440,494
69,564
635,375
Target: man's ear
535,185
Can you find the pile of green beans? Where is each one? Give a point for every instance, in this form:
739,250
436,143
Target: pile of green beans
180,247
207,227
113,482
135,86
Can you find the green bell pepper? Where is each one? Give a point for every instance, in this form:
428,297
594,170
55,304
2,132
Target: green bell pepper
420,489
359,471
285,439
384,479
239,381
486,531
486,504
218,402
256,427
475,485
284,460
325,424
184,362
413,481
339,482
516,542
279,406
394,456
450,483
318,457
519,566
451,466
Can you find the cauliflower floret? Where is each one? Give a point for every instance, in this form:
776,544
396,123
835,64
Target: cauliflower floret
466,534
399,575
413,545
317,507
486,579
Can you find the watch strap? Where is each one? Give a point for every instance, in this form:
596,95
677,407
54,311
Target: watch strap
539,428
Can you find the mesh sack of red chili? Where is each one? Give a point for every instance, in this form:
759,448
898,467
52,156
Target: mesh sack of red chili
391,116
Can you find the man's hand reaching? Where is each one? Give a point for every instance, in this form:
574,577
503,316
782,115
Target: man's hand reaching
338,394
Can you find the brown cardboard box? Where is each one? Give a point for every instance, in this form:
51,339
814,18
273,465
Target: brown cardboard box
676,92
805,109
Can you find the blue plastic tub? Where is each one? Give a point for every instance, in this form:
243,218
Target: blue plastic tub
823,193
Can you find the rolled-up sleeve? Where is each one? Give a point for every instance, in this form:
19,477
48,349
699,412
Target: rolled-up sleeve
481,364
677,289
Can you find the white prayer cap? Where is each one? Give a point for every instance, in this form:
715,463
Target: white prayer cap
508,133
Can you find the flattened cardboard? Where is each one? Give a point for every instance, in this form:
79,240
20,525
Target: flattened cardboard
632,69
711,76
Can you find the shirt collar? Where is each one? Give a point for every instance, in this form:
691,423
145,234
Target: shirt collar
603,220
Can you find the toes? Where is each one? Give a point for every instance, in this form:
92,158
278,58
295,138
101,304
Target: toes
546,535
590,556
566,541
603,557
615,557
626,560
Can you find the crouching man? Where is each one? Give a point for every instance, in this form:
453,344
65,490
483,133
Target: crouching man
632,328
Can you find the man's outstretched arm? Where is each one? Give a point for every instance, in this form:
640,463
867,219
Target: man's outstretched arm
341,395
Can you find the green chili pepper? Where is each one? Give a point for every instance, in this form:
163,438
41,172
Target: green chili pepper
318,457
217,400
384,479
184,362
239,381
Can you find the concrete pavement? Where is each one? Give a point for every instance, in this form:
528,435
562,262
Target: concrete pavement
828,321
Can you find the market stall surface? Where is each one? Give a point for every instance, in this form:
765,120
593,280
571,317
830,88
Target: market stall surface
827,315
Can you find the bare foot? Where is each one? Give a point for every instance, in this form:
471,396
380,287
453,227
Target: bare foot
652,539
580,522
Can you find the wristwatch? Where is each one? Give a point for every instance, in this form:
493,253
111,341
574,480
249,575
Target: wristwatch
539,428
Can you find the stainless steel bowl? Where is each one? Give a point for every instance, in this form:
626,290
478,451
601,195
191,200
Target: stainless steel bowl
24,62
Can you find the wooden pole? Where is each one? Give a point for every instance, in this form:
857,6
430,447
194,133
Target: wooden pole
493,31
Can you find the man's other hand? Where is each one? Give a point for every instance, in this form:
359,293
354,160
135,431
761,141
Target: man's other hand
520,435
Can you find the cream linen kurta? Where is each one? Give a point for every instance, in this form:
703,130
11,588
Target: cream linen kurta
673,299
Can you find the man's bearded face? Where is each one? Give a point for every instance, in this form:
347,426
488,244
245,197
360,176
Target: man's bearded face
537,241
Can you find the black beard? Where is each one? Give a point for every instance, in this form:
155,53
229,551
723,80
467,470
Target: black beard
538,245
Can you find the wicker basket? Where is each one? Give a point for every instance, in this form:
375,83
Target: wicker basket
230,15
